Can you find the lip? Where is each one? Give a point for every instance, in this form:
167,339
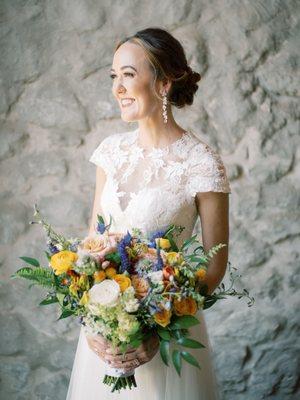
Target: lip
126,98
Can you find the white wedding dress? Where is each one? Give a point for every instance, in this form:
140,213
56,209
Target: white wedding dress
150,189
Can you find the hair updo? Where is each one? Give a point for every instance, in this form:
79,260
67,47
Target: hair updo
168,60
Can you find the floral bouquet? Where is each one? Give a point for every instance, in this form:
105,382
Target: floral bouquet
126,287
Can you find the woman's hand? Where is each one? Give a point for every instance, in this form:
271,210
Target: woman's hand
133,357
98,344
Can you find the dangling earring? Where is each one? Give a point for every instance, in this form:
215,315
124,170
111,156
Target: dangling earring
165,113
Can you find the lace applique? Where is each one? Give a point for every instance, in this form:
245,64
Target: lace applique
207,171
153,188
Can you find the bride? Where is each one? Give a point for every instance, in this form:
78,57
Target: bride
148,178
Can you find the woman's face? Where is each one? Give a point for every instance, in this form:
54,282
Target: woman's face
133,78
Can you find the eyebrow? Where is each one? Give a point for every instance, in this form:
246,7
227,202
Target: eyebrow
125,66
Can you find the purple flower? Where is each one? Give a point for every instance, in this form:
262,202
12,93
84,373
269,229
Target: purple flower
154,235
158,266
53,249
125,263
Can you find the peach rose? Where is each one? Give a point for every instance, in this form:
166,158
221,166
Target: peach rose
163,317
99,246
185,306
140,285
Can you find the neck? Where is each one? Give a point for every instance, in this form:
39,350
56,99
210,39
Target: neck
155,133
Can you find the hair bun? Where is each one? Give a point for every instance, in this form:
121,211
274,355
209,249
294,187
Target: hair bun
184,88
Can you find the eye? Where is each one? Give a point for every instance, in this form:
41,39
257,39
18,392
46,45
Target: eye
112,76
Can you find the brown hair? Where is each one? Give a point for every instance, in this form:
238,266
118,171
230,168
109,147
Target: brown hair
168,60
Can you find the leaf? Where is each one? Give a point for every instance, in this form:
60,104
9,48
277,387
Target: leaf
114,257
60,298
209,302
66,313
31,261
188,242
135,343
164,333
186,321
176,357
190,359
42,276
48,300
194,344
164,349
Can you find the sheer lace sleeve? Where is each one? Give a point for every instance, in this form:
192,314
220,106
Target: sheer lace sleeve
207,171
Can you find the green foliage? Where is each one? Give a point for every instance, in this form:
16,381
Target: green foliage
190,359
31,261
176,358
186,342
186,321
164,349
39,275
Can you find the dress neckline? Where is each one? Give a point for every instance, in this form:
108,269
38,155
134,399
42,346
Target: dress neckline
163,149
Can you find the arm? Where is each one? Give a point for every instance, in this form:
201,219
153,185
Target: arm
213,209
100,181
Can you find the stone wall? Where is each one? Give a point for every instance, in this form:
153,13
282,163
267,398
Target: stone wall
56,106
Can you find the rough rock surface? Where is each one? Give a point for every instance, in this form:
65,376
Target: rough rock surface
56,105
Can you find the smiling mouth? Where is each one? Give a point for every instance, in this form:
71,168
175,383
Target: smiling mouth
126,102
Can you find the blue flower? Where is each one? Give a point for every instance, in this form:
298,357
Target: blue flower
154,235
125,263
53,249
158,266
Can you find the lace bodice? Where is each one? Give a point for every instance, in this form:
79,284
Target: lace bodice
150,189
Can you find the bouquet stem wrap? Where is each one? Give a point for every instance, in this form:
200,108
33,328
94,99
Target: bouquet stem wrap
118,378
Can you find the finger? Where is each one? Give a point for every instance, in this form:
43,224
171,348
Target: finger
117,351
121,357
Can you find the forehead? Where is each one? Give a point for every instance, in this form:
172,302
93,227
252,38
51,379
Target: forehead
130,54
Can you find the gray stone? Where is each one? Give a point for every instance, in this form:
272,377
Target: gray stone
56,105
50,386
43,164
11,338
14,375
13,220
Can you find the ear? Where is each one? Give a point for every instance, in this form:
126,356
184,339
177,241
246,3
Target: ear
165,86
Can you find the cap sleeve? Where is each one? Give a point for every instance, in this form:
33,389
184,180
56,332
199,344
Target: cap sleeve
207,171
100,155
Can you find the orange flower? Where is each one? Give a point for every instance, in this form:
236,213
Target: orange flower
110,272
123,281
99,276
168,271
140,285
163,317
200,274
185,306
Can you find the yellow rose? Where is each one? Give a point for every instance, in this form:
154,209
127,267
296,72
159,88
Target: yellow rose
123,281
200,274
163,317
187,306
63,261
99,276
174,258
84,299
163,243
110,272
